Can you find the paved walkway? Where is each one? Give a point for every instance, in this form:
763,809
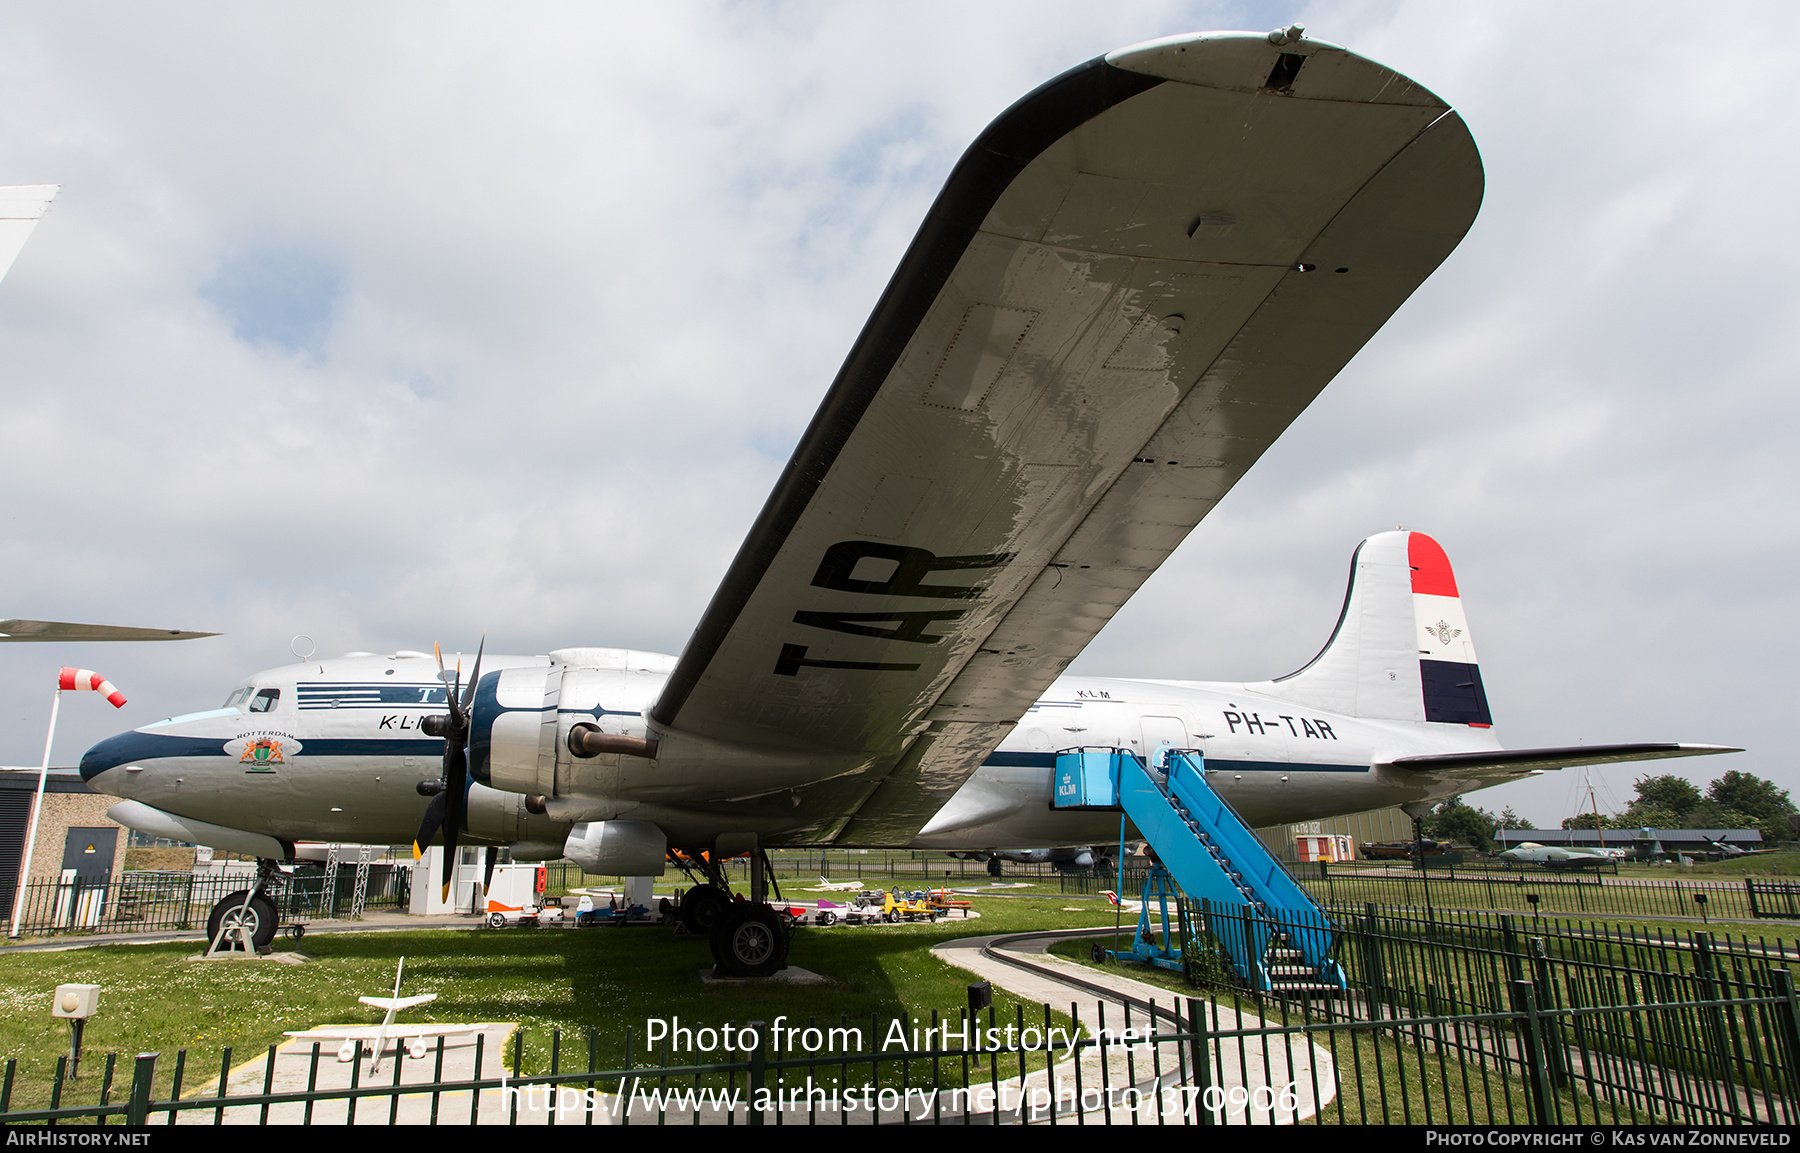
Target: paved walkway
1252,1073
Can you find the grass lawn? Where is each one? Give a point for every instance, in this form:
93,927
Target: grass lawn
156,998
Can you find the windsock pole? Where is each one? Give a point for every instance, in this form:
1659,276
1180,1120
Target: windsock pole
67,679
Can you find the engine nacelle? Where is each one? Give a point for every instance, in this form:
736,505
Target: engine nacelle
621,848
512,730
520,719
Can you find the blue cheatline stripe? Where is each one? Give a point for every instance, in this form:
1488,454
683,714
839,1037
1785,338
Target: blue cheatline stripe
1005,760
371,747
128,747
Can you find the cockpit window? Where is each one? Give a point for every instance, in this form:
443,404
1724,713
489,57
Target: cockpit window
265,700
238,696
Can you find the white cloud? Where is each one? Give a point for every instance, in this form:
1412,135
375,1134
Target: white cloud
591,270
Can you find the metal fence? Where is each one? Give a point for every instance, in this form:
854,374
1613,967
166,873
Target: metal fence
1536,892
1483,1015
1489,1019
149,901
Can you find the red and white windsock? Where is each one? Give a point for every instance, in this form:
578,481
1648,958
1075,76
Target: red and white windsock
87,679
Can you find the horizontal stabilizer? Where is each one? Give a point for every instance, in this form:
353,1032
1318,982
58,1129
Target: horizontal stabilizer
14,630
1500,764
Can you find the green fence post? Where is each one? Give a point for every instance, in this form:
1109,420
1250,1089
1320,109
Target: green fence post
143,1075
1371,951
759,1069
1197,1054
1787,1024
1531,1050
1706,969
1509,944
1557,1054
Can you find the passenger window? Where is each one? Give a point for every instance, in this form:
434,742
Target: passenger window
265,701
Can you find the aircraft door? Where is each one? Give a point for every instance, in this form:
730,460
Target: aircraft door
1161,733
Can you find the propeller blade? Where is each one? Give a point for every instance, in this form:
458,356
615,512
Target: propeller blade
456,778
453,814
428,827
474,676
487,872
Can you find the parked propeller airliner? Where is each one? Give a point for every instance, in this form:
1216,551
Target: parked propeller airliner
1131,284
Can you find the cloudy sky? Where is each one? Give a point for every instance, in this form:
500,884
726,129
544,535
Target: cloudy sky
393,324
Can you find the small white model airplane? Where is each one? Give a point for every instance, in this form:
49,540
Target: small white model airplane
372,1040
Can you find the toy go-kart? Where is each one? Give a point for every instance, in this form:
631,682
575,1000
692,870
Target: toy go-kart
501,916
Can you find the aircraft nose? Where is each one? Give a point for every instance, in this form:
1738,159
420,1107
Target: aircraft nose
108,754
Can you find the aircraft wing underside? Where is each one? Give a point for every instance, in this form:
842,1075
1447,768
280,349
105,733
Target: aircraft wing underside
1131,284
21,630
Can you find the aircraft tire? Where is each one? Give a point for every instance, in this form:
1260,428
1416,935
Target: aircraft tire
260,916
750,941
702,907
994,869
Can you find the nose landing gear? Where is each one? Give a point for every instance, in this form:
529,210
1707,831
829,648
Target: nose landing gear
245,920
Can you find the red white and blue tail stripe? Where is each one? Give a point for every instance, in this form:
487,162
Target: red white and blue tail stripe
1449,676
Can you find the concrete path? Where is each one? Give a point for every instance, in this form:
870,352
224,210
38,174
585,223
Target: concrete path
1279,1081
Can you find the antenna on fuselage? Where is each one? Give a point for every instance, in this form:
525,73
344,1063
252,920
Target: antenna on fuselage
294,647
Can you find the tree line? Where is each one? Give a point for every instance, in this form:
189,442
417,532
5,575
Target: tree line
1733,801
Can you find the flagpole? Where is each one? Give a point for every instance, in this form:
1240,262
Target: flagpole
37,809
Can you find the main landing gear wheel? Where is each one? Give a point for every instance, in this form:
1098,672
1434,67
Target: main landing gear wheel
750,941
702,908
257,918
994,867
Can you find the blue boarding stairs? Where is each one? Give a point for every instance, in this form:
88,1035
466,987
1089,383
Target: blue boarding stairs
1276,935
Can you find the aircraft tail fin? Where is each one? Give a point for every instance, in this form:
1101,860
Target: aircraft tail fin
1402,648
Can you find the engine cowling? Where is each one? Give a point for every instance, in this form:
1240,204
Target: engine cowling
521,719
